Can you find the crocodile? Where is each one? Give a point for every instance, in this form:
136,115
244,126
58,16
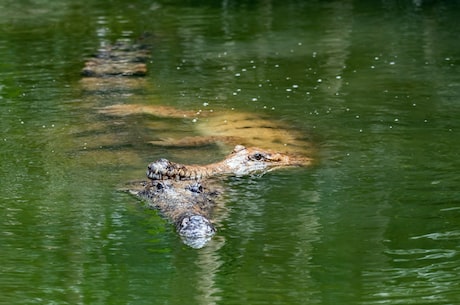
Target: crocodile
242,161
187,194
187,204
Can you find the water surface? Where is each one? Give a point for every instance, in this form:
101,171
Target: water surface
374,86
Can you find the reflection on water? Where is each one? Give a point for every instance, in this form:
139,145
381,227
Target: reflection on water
374,85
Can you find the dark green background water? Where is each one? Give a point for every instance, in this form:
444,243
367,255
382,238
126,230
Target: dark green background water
375,84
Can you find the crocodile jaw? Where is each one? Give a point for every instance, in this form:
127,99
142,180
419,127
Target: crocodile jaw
246,161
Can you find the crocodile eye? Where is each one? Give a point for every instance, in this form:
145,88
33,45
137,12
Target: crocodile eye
258,156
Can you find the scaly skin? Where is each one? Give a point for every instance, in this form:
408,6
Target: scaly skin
242,161
187,204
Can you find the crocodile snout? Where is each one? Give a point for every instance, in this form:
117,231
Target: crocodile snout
195,230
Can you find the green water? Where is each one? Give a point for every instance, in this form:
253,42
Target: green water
375,85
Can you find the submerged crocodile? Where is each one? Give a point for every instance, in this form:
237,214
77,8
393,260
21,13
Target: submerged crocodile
223,127
186,194
188,204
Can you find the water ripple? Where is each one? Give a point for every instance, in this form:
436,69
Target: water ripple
440,236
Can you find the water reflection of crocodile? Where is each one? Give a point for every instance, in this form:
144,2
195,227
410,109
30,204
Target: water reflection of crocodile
122,58
186,194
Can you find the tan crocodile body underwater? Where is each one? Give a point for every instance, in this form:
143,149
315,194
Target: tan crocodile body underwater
225,127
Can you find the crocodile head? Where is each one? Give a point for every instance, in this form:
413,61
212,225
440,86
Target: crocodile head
242,161
187,204
252,160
